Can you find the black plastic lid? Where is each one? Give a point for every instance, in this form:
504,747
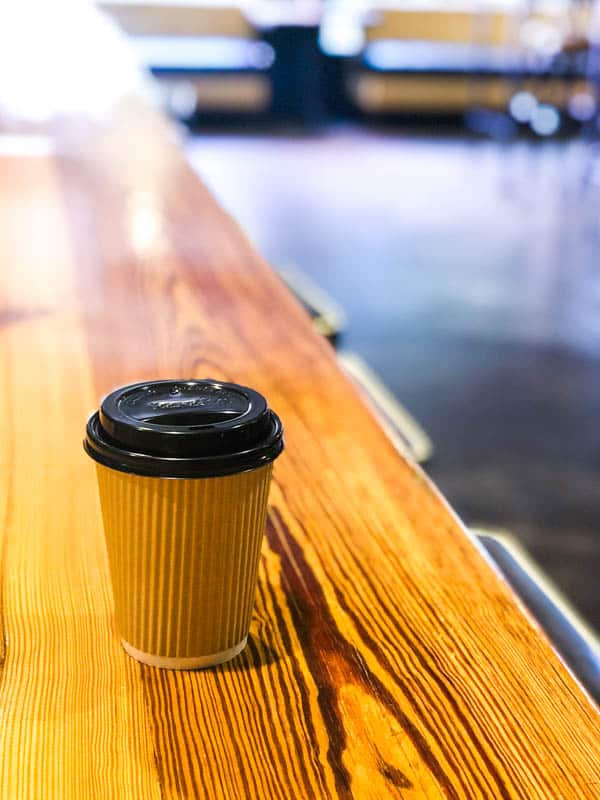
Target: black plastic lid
184,429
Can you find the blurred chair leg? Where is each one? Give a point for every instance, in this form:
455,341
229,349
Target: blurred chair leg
328,317
403,430
573,639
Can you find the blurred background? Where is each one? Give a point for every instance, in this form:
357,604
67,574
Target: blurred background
426,177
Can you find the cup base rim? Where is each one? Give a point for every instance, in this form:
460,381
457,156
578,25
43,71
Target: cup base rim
195,662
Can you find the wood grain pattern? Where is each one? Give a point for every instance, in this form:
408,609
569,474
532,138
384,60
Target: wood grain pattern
387,658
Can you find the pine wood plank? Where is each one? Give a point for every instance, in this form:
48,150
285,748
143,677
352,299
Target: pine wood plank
387,658
73,717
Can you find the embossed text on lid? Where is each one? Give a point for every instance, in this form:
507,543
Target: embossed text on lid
182,428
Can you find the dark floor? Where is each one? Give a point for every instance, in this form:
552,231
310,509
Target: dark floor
470,272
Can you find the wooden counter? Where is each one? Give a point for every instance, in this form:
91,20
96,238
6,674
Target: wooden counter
387,658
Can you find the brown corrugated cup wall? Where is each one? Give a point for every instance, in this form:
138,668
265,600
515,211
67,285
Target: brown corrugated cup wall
183,559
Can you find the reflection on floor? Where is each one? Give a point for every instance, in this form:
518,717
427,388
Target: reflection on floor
470,274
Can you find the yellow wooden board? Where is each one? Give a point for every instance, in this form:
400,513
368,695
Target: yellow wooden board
386,657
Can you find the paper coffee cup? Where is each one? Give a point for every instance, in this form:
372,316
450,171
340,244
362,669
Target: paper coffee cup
183,472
